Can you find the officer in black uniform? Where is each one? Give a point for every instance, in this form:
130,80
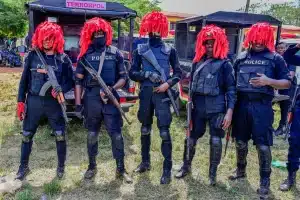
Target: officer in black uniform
259,70
293,163
213,96
284,105
48,38
96,38
153,94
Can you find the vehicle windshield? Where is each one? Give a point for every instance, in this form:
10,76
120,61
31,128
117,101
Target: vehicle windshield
71,42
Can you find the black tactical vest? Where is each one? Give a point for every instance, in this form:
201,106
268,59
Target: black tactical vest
109,69
248,68
206,81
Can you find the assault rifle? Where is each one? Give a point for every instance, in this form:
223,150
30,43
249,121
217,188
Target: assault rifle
290,114
152,59
52,82
105,88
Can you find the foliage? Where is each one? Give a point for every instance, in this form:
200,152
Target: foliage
13,18
288,12
52,188
141,7
25,194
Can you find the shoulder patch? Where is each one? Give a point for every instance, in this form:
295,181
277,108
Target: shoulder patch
142,48
112,49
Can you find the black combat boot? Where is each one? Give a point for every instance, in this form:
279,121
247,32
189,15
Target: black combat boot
143,167
281,129
289,183
187,162
241,156
265,159
25,153
121,172
215,158
61,148
166,177
145,151
60,171
92,169
23,172
264,188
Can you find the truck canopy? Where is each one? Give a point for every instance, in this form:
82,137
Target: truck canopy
108,10
233,22
222,18
72,14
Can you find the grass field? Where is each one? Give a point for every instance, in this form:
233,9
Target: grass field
146,186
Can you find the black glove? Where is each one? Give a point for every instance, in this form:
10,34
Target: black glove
153,77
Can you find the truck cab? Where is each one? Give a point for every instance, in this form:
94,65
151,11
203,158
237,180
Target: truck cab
71,16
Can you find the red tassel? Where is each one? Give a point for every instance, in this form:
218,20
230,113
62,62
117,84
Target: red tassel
47,30
154,22
90,27
260,33
221,45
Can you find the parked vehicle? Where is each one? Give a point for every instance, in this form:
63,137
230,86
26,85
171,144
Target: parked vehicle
9,58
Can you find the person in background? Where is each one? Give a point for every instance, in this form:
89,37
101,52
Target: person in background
284,105
294,138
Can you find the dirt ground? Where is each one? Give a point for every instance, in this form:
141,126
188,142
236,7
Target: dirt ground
10,70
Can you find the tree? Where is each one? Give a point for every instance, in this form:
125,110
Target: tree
13,18
288,13
141,7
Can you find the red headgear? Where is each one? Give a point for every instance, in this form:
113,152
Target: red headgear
49,30
90,27
261,33
154,22
221,46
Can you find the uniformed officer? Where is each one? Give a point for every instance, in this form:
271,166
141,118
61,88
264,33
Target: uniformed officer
48,37
213,96
294,138
95,42
153,91
284,105
259,70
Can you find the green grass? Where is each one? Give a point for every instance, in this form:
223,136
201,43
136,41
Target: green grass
25,194
146,186
52,188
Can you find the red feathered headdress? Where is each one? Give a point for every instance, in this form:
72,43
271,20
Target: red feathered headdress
49,30
90,27
261,33
221,46
154,22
